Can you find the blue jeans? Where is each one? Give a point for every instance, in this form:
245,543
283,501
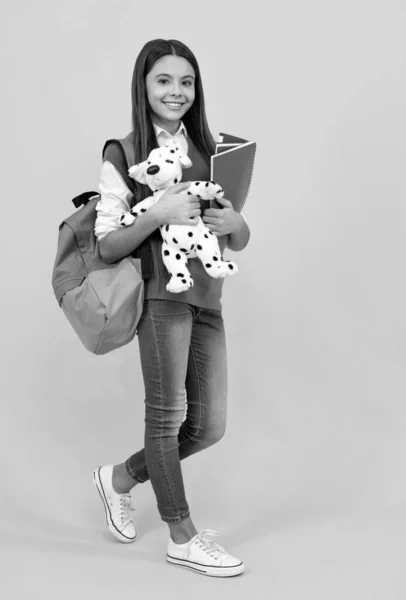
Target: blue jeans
182,349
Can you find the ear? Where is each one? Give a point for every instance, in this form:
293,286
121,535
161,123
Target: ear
139,172
183,158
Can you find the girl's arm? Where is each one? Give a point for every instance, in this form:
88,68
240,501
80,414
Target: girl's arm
226,221
240,238
115,241
122,242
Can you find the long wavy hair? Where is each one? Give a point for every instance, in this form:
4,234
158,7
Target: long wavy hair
195,119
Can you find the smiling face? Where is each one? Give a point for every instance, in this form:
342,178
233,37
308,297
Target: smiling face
171,80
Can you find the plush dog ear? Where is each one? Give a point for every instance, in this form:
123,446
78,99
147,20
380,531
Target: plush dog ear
139,172
183,158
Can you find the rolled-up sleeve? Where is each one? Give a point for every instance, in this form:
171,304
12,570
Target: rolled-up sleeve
114,200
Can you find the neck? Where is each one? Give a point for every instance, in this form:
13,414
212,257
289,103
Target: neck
170,126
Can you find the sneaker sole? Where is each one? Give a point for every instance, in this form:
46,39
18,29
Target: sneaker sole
97,482
206,569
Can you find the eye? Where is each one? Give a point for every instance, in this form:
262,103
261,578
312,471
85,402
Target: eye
163,80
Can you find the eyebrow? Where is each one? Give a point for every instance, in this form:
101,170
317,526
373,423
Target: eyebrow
167,75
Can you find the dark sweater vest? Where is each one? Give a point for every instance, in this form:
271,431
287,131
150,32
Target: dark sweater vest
206,292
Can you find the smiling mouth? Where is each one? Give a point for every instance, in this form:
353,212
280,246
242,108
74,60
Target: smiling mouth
176,104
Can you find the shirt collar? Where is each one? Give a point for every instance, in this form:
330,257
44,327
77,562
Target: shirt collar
182,129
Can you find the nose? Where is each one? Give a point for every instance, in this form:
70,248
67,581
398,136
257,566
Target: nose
153,169
175,89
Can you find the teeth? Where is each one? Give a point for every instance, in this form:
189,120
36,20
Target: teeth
173,104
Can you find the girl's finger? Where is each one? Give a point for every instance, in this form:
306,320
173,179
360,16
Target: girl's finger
211,220
224,202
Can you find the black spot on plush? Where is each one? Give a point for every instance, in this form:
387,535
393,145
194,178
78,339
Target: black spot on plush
206,236
210,231
208,265
230,267
167,228
180,275
143,210
166,252
196,183
173,151
199,247
175,181
178,257
192,246
215,258
190,193
175,241
183,249
183,280
207,184
190,234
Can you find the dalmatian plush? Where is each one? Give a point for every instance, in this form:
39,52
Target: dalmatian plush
162,170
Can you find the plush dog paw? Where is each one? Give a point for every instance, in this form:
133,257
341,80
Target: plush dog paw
180,283
215,189
221,269
206,190
232,268
127,219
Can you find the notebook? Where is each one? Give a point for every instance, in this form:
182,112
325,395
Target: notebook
232,167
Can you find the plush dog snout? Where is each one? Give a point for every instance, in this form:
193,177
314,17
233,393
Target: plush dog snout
152,170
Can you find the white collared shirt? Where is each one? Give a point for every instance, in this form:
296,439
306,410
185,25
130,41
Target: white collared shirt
115,197
180,137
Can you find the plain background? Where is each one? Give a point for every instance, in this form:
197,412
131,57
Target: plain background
308,485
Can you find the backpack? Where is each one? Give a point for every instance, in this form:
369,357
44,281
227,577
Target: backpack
103,302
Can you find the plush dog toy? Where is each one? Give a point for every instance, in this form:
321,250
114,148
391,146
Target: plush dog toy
162,170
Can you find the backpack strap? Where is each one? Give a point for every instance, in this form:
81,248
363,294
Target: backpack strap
84,198
120,152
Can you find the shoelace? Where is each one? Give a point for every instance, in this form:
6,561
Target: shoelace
211,548
125,506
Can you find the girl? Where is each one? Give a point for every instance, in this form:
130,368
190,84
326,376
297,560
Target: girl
181,336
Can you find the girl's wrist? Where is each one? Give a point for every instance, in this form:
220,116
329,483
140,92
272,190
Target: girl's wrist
156,214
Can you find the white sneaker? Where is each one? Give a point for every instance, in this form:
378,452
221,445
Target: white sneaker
204,556
117,506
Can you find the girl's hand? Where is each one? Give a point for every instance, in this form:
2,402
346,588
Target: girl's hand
176,207
222,221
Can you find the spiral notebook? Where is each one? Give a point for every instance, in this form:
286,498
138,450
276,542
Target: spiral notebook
232,167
